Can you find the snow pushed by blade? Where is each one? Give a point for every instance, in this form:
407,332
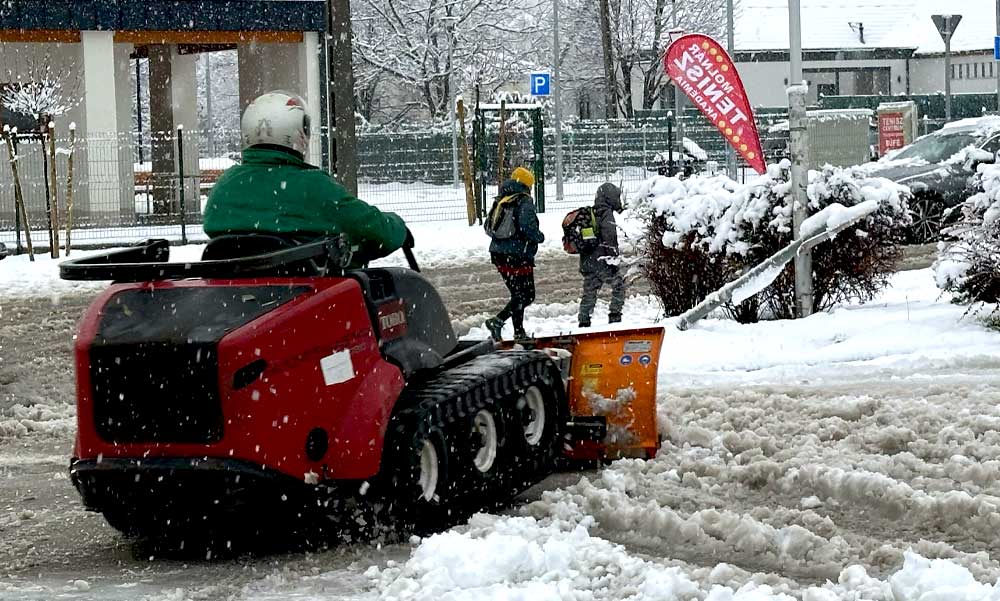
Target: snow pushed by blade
523,558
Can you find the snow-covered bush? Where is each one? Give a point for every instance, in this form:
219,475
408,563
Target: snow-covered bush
705,231
968,265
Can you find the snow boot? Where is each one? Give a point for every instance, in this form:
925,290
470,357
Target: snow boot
614,317
495,326
584,324
521,335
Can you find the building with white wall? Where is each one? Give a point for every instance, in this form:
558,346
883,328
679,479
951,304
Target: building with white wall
89,45
865,47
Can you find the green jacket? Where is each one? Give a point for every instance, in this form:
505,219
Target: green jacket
275,192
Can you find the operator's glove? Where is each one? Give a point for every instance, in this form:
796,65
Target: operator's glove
408,242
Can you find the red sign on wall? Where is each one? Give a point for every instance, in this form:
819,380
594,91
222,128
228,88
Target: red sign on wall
890,132
702,68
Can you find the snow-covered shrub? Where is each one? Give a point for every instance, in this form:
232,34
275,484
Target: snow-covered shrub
705,231
968,265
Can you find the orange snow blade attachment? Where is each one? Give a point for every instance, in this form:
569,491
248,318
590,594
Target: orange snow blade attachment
611,377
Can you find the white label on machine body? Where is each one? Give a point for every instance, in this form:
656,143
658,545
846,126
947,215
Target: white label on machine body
337,368
638,346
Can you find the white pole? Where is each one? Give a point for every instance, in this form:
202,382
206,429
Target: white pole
557,98
451,106
947,71
731,41
795,42
799,144
454,145
208,105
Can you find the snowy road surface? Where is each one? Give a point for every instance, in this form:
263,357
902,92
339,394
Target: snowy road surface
849,456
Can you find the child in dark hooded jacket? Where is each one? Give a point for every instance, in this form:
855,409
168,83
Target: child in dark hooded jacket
600,265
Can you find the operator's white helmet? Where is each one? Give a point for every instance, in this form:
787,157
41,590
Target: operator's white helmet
279,119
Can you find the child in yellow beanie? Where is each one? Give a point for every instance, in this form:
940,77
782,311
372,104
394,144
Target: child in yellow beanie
513,226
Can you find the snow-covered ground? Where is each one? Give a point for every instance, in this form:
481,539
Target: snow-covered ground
851,455
437,244
848,456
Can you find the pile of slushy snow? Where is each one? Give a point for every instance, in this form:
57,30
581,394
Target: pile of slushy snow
521,558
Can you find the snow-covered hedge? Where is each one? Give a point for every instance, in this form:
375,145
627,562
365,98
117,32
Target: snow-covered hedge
968,265
706,231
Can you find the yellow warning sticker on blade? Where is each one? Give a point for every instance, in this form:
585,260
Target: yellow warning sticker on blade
591,369
638,346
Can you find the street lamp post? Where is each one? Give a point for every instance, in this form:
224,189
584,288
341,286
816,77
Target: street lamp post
450,32
678,101
731,42
799,142
557,99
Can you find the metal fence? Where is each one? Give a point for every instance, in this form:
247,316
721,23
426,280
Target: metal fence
131,187
116,198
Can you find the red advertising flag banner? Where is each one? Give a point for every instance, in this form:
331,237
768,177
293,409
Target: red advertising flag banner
702,68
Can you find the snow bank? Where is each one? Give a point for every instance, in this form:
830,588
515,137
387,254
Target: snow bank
20,278
520,558
438,245
908,326
529,559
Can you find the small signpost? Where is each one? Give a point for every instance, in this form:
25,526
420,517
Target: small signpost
897,125
541,84
946,25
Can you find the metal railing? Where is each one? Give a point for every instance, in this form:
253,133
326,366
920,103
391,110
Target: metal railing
120,199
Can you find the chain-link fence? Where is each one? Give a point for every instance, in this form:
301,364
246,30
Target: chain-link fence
128,188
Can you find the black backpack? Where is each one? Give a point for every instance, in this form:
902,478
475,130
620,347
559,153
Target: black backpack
580,233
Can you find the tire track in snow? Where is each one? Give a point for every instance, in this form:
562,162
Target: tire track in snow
761,476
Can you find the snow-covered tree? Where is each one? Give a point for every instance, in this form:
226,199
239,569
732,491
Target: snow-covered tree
39,86
420,55
708,230
638,32
968,265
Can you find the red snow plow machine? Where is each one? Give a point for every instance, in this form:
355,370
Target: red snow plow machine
269,384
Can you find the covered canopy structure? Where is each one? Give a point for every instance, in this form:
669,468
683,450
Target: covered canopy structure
87,45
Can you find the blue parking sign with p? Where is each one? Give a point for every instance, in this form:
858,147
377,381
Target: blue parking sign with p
996,47
540,84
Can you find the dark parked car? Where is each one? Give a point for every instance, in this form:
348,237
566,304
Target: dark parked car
939,169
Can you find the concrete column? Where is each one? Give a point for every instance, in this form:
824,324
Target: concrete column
99,81
100,128
309,75
126,142
268,67
161,128
184,109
